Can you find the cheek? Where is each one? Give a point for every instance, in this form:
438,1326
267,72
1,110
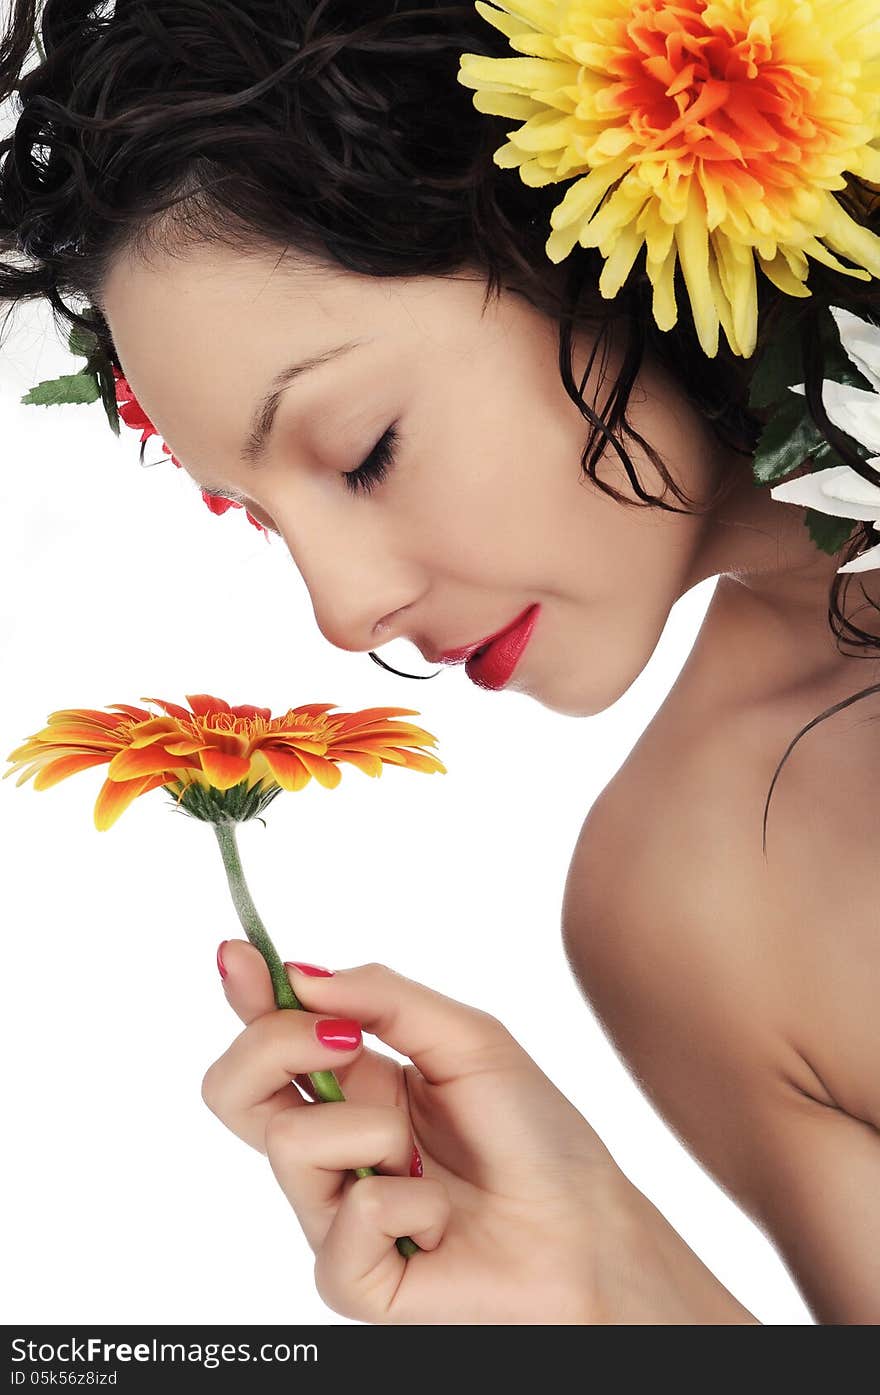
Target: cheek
481,525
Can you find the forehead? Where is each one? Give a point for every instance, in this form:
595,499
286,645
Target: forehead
240,314
201,333
205,298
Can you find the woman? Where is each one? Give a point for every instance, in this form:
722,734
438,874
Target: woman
425,465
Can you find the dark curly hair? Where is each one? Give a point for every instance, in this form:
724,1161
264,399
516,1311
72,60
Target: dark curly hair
343,132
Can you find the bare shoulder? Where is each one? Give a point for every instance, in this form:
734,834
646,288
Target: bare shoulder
738,990
672,937
669,884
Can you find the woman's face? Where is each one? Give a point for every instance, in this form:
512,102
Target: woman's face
485,509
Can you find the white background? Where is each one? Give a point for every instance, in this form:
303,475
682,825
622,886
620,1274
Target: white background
126,1199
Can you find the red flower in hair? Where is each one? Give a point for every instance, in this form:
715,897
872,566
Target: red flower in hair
133,414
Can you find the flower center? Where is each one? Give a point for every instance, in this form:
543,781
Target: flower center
711,82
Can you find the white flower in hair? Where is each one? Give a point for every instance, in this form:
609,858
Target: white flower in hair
840,490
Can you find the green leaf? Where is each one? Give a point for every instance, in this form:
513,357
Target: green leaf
104,369
780,364
73,387
827,531
825,457
788,438
82,341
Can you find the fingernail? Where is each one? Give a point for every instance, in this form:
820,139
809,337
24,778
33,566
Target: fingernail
415,1168
220,965
339,1032
314,970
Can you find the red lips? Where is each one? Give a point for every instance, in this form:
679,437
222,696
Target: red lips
457,656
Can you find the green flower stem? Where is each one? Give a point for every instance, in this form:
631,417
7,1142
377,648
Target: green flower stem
326,1085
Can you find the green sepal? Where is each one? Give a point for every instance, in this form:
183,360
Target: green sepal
234,805
828,531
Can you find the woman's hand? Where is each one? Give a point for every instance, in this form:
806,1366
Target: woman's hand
522,1214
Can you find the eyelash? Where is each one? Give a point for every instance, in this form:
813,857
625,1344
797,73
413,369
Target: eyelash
377,465
371,472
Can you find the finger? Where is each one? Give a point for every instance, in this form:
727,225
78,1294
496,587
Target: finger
252,1080
312,1151
358,1269
248,987
247,983
501,1097
444,1038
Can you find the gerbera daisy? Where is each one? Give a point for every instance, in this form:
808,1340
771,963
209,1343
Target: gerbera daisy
223,764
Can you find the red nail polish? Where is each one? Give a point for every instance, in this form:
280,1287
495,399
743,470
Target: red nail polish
314,970
415,1168
339,1032
220,965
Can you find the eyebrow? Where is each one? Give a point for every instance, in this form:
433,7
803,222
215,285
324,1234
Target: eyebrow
257,440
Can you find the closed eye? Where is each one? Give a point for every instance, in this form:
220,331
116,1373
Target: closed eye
370,473
377,465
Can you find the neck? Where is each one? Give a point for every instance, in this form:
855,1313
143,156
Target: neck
776,581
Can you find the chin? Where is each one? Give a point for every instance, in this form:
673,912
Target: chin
572,708
568,704
574,695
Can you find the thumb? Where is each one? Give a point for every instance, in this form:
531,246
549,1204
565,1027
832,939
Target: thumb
246,979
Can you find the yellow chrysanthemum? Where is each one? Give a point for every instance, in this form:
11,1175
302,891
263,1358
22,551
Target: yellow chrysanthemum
711,132
224,764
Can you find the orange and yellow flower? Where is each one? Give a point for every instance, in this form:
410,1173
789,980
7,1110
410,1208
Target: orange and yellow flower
710,131
223,763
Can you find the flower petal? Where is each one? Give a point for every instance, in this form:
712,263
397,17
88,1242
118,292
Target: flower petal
172,708
244,709
865,562
137,713
854,410
114,798
59,735
313,709
147,733
223,770
324,771
108,721
414,760
132,763
286,767
185,746
368,762
203,704
810,492
67,765
861,341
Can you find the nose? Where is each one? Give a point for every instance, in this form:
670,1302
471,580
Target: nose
357,631
360,594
